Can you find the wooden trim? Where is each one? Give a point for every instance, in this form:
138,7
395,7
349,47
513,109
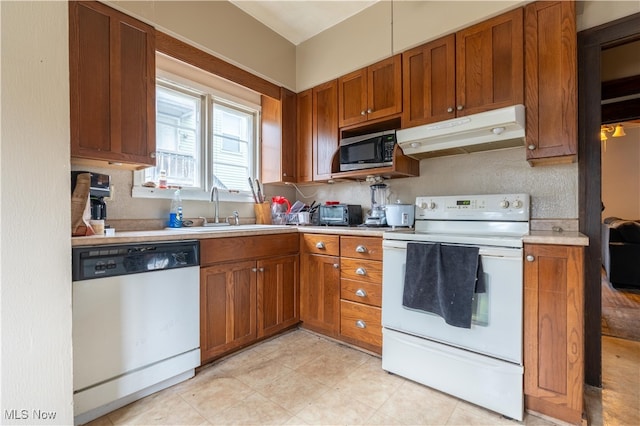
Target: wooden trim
620,87
621,111
590,44
205,61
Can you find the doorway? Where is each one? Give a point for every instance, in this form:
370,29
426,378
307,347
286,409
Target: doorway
591,42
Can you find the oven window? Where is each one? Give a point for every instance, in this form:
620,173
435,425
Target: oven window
480,315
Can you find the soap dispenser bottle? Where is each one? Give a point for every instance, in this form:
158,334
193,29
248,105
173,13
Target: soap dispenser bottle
175,213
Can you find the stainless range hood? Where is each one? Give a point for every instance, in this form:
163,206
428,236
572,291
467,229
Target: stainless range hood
496,129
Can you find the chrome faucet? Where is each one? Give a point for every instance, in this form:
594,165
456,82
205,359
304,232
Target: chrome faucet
216,205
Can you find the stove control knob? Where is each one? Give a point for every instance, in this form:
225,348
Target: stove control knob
504,204
428,206
516,204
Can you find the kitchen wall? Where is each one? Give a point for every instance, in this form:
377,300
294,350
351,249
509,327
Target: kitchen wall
553,189
621,175
35,254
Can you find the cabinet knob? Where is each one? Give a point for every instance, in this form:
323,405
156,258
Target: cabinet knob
530,258
336,265
361,293
459,107
254,269
361,271
450,109
369,111
531,147
152,154
261,269
284,174
363,112
320,245
361,249
361,324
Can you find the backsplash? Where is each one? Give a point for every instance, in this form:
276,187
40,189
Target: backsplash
553,189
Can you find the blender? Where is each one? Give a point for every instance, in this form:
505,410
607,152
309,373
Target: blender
376,216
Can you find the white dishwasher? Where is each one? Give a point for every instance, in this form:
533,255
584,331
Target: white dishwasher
136,322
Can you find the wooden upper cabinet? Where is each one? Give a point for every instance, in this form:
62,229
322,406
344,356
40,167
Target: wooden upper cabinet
112,82
278,149
371,93
325,128
305,136
551,82
489,64
429,92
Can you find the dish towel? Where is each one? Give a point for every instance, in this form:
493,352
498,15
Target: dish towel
442,279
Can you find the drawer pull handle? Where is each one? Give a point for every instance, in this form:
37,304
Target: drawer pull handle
361,271
320,245
361,324
361,249
361,293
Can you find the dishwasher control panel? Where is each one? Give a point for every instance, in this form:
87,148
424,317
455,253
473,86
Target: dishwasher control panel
114,260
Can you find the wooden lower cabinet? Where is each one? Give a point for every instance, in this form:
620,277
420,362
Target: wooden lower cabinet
278,290
320,293
227,307
249,299
341,288
554,330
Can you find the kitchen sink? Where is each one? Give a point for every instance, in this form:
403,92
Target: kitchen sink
229,228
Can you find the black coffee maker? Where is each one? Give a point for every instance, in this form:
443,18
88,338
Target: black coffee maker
99,190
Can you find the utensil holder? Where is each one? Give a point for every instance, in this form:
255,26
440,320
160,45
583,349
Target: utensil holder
263,213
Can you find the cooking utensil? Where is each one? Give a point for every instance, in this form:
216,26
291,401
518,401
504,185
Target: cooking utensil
253,192
260,193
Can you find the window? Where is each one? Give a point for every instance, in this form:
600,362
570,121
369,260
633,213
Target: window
203,138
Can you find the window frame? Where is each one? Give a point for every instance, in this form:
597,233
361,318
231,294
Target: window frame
211,94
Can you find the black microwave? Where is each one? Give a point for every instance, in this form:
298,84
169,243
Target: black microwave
367,151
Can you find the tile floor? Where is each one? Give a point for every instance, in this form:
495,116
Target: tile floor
300,378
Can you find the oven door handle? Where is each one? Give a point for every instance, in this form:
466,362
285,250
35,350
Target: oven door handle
501,252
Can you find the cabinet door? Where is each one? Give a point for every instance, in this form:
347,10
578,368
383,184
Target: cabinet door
429,82
553,330
320,293
325,128
384,88
227,307
489,63
352,97
277,294
279,138
551,81
305,136
112,82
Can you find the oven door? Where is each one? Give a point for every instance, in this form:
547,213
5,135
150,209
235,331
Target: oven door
496,328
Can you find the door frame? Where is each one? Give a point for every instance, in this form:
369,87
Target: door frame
591,42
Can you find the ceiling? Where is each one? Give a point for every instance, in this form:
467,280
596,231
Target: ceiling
299,20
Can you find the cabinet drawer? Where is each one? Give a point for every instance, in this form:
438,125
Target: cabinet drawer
361,322
361,270
369,248
320,244
361,292
217,250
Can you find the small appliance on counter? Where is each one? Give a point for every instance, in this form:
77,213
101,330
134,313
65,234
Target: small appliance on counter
377,215
398,214
340,214
99,190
